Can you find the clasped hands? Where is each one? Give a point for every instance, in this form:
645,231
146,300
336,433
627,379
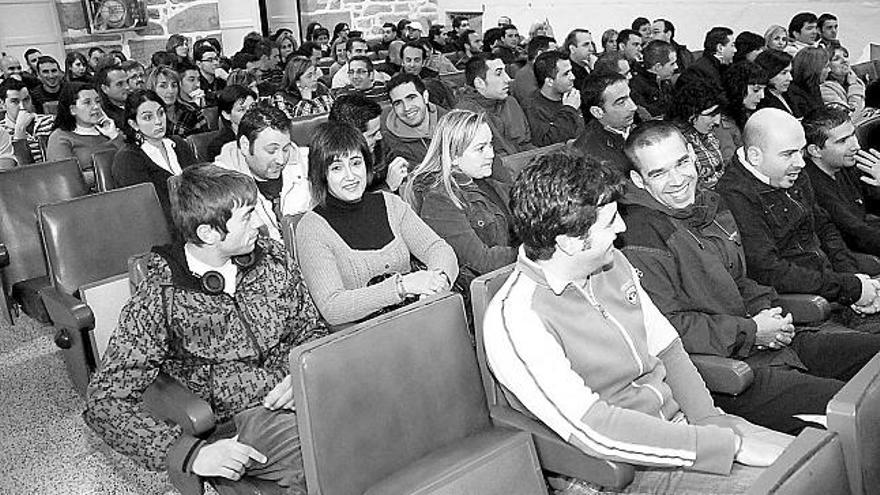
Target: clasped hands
775,331
869,302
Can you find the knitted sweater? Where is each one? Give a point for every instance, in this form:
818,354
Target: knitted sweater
67,144
337,275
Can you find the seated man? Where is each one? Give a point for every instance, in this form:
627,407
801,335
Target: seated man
652,87
409,126
354,47
232,103
185,115
788,239
833,163
361,80
488,91
112,82
554,110
219,311
525,83
718,52
414,61
470,43
580,49
611,111
686,245
208,61
580,344
21,123
51,78
263,150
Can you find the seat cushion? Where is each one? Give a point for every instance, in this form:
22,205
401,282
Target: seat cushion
27,294
494,461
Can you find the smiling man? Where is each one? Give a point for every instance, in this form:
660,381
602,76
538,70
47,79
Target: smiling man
576,339
263,150
606,98
488,91
686,244
788,239
51,77
409,126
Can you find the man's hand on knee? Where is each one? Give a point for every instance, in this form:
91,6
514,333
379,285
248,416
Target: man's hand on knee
281,397
226,459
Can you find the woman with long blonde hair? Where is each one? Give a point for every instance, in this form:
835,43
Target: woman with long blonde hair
453,192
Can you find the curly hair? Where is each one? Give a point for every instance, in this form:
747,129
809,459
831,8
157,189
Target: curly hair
691,97
559,194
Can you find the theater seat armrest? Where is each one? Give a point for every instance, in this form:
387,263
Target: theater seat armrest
723,375
66,311
167,399
805,308
4,255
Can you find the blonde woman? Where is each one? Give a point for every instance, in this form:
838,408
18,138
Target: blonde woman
451,190
776,38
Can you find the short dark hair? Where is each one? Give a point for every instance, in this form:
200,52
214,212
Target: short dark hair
623,36
355,110
90,52
331,140
320,31
102,72
307,49
609,62
872,94
162,58
67,97
826,17
10,84
657,52
31,51
819,122
185,65
668,27
46,59
718,35
691,97
464,38
132,103
230,95
571,39
736,82
537,45
506,28
746,42
205,194
260,117
456,21
402,78
362,58
799,21
593,92
490,37
390,25
200,50
417,44
559,194
546,66
349,43
241,59
639,22
773,61
648,134
476,67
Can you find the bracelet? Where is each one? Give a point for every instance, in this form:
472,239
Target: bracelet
398,282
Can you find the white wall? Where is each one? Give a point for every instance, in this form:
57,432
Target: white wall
30,23
859,19
237,18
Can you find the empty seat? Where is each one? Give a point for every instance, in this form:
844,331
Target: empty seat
102,161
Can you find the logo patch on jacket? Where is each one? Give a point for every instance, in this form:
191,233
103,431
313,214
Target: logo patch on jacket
631,293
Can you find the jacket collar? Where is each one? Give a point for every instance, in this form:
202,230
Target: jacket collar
181,276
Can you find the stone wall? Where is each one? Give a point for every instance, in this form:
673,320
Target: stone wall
367,15
192,18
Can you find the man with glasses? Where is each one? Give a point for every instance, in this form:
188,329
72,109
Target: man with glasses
136,74
354,47
362,81
208,60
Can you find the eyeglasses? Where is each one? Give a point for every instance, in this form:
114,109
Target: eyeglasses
209,59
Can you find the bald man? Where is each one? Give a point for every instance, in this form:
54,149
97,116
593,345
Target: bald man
789,241
10,68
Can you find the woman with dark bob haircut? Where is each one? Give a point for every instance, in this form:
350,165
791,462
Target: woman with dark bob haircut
744,84
696,111
777,65
81,128
149,154
354,247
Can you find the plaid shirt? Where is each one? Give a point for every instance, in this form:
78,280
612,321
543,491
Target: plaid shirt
185,119
710,164
294,106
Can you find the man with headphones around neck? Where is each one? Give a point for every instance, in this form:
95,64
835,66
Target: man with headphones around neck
218,310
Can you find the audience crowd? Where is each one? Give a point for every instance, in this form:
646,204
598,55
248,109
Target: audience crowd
669,196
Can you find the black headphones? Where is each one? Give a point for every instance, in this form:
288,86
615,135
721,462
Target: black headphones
213,282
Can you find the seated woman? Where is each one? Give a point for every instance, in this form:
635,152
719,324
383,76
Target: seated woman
777,65
76,67
302,93
744,84
696,111
165,81
232,102
452,191
842,86
81,128
352,238
809,70
149,154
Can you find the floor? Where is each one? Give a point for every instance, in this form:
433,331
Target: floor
45,447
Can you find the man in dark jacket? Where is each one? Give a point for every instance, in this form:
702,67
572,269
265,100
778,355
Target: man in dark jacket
219,311
686,244
610,110
833,155
652,87
414,57
788,239
409,126
718,52
488,90
554,110
664,30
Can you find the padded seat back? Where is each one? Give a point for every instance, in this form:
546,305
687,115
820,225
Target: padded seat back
518,161
868,133
102,161
812,465
854,413
483,289
199,143
21,191
303,128
212,115
91,238
288,232
374,397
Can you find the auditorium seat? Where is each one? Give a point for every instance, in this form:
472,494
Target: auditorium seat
394,406
212,115
21,191
102,162
303,128
88,239
854,414
199,143
868,133
811,465
288,232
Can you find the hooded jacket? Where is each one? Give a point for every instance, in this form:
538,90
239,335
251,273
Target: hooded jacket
694,269
510,129
400,139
